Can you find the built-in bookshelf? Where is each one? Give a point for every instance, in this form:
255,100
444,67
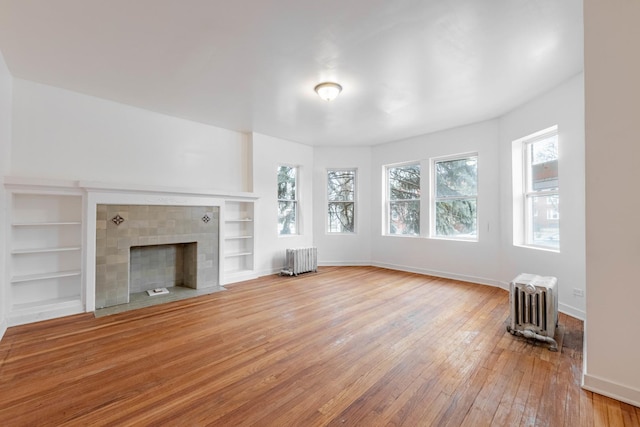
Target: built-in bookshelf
239,241
45,251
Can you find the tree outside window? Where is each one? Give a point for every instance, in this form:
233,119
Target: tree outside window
456,198
287,200
403,199
341,197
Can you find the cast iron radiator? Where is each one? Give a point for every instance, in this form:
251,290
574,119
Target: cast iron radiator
534,308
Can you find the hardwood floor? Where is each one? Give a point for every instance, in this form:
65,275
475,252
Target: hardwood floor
348,346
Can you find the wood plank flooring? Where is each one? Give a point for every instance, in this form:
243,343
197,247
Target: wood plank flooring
348,346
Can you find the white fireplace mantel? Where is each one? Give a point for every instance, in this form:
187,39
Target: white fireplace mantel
96,186
94,193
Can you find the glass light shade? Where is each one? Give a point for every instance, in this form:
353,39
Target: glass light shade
328,90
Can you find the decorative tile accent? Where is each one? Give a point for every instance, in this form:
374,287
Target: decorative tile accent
206,218
117,220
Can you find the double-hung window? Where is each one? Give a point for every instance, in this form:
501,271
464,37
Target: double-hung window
403,199
287,200
341,200
540,191
455,198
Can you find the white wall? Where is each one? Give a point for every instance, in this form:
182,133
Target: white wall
6,83
471,261
612,90
268,154
563,106
63,134
334,248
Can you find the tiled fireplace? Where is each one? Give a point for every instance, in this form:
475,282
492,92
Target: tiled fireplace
140,247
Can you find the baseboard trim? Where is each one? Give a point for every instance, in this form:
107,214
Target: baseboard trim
572,311
562,308
3,327
344,263
444,275
611,389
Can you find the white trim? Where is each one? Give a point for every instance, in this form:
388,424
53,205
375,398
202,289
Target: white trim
55,310
572,311
23,182
443,274
562,308
611,389
3,327
344,264
521,180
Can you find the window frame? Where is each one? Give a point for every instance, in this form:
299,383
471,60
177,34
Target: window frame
295,200
434,199
529,194
388,202
524,215
354,201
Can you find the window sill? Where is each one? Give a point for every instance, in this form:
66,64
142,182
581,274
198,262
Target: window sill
537,248
454,239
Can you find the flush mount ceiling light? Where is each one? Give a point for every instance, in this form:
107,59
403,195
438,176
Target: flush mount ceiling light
328,90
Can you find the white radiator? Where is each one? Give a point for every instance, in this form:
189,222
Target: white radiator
534,308
300,260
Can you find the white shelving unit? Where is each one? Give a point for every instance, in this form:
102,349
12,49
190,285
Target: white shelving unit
45,250
239,241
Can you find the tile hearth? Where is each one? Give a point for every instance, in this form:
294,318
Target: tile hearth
141,299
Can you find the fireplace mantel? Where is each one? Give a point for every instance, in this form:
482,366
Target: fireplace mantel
126,194
238,206
95,186
119,187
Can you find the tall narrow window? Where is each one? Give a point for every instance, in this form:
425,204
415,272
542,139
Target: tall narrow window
455,198
540,190
341,199
287,200
403,199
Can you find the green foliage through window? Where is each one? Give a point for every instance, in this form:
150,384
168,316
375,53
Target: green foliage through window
456,190
404,199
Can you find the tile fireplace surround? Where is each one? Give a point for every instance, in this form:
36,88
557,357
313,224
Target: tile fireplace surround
121,227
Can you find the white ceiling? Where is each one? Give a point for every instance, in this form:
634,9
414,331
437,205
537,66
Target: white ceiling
408,67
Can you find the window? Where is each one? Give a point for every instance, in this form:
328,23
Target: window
403,199
455,201
341,199
287,200
541,214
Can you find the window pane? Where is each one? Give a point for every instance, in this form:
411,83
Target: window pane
545,225
341,217
404,182
543,159
457,177
341,185
456,218
286,183
286,217
544,150
405,217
